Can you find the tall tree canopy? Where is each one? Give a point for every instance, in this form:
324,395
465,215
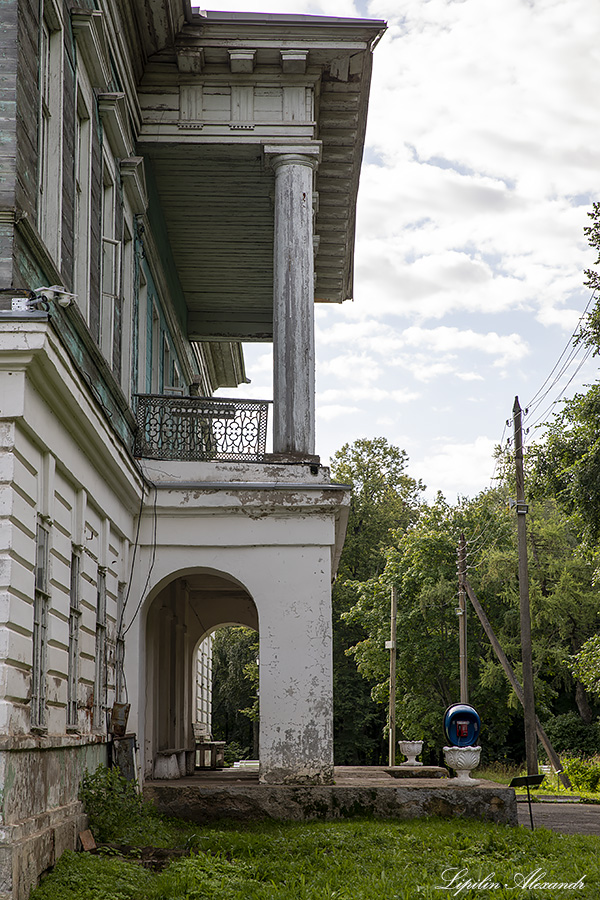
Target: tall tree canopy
384,499
568,459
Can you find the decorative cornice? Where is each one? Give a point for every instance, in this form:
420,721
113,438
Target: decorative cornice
90,36
241,62
293,62
190,60
111,109
134,182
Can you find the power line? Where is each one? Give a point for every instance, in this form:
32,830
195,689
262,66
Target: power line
152,561
540,396
582,362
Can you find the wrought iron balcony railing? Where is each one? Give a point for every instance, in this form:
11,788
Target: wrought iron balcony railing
200,428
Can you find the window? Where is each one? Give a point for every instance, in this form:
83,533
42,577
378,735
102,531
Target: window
83,187
155,374
74,620
122,360
50,141
40,627
111,262
120,644
100,680
142,320
177,383
166,363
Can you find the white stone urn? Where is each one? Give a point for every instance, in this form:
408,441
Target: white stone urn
462,760
411,749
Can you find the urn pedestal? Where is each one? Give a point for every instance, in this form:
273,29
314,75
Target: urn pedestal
411,749
463,760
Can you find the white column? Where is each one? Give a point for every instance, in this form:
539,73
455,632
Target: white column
293,300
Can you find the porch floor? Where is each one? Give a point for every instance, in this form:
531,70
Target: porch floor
358,791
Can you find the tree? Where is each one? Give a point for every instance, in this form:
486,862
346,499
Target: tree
421,563
568,460
567,464
586,665
235,687
590,332
384,498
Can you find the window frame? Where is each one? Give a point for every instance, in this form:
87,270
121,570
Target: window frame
74,628
101,666
41,602
50,129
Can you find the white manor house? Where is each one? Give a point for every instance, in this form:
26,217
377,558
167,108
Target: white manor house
172,183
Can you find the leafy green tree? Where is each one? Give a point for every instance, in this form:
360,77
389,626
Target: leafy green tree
567,465
384,498
590,333
421,563
235,687
586,665
567,461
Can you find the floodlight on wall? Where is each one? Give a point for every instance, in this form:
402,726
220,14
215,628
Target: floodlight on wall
40,298
56,293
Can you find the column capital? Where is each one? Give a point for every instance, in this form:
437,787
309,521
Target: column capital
293,154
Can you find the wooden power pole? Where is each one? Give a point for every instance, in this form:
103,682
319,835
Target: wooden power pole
526,652
462,619
391,646
502,658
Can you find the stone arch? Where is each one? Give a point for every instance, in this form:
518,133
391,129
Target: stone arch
183,609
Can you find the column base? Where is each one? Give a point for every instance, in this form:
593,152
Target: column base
304,775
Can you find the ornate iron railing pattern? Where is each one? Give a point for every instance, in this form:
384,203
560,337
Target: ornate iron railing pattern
200,428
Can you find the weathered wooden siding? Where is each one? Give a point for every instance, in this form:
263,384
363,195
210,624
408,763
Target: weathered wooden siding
20,488
27,108
8,100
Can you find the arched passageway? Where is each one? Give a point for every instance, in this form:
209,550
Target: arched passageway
187,609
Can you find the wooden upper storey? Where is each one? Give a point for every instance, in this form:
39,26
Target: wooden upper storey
220,90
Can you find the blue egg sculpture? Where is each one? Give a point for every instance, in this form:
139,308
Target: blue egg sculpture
461,725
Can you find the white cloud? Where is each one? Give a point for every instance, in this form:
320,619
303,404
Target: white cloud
469,376
446,339
351,367
481,163
334,411
300,7
457,469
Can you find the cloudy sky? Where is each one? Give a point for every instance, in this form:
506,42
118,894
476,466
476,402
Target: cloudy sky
482,160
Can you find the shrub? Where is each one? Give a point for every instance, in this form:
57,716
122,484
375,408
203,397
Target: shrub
584,773
569,734
234,752
110,801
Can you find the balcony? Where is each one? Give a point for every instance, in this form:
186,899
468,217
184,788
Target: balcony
200,428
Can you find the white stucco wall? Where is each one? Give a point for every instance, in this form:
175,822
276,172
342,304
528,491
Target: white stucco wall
274,531
278,544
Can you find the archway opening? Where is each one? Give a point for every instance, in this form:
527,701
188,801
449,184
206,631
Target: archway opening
185,611
234,691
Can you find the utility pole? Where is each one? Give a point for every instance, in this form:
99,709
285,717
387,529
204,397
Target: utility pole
526,653
503,660
462,619
391,646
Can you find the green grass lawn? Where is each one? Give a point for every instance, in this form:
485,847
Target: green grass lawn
550,787
346,860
